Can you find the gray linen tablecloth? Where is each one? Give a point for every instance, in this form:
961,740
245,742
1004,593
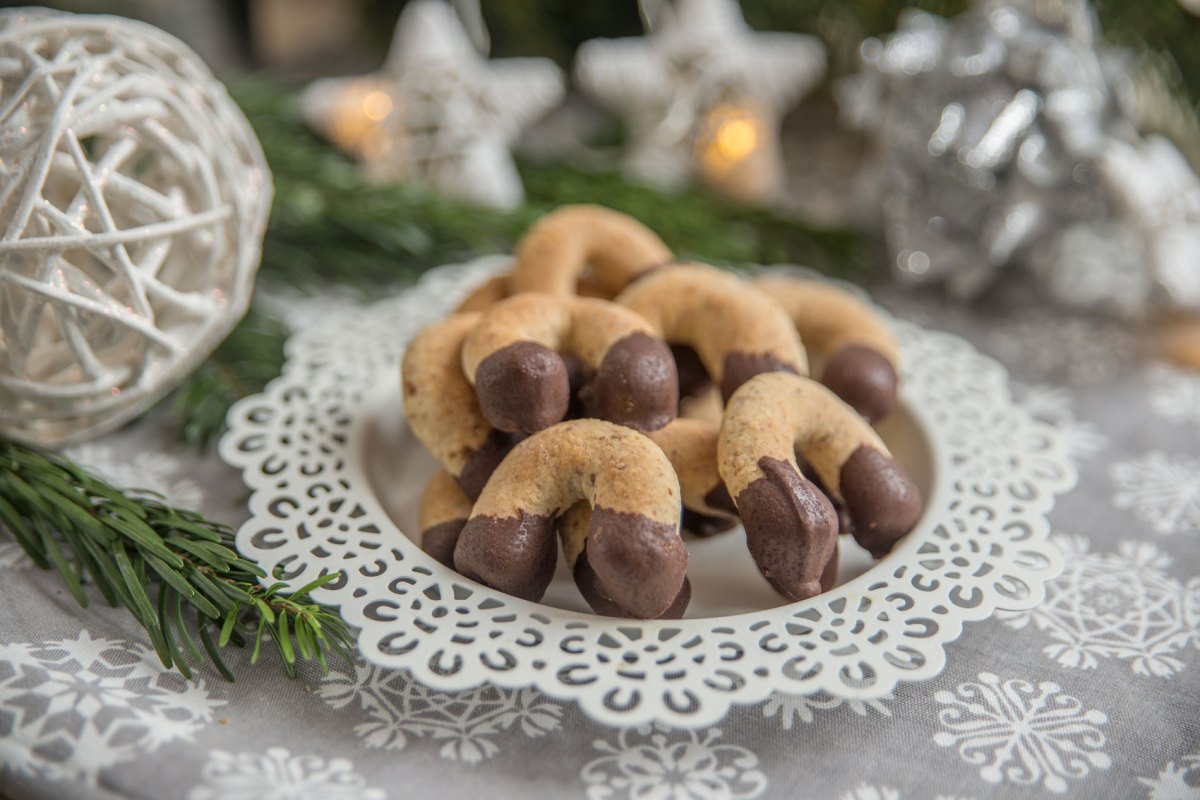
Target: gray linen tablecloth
1094,694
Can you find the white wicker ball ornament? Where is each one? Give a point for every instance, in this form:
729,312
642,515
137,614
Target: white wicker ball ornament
133,200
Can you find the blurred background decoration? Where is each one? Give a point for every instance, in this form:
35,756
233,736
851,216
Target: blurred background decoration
1008,136
333,225
702,95
827,176
438,114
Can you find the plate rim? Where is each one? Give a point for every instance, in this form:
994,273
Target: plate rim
423,569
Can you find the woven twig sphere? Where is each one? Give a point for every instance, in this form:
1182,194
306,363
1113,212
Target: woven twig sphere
133,200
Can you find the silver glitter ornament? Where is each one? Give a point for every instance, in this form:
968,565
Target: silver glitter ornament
1006,139
133,200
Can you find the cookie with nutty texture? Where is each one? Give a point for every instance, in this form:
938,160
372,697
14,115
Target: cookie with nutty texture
791,526
735,329
510,541
499,287
857,353
445,509
512,356
554,253
691,446
441,406
485,295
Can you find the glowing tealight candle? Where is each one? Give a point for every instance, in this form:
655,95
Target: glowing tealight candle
734,152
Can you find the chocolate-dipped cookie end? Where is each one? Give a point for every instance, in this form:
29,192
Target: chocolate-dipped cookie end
741,367
523,387
883,502
596,595
637,384
864,379
791,528
640,563
515,555
439,540
482,462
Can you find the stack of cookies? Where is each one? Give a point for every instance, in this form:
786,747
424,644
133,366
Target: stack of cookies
606,397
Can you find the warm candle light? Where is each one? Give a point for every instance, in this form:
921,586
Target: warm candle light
736,138
730,134
377,105
356,124
736,151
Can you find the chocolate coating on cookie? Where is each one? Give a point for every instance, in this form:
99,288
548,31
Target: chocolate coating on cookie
523,387
845,526
440,540
514,356
882,501
636,384
864,379
588,584
734,329
846,335
718,498
445,508
482,461
829,576
791,528
741,367
629,553
622,494
767,421
513,554
693,377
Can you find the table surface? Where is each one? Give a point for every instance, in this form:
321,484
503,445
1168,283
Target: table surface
1094,694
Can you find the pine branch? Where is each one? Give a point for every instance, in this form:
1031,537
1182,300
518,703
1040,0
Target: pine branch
250,357
175,571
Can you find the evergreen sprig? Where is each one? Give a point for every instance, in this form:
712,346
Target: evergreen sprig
176,571
248,358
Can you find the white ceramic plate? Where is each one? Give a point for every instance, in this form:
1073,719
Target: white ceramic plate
336,474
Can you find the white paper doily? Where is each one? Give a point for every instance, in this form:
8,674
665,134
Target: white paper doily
307,447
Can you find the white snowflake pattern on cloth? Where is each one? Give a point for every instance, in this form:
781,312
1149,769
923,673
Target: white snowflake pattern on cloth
397,708
1176,782
278,775
793,708
1050,344
1175,394
1115,605
1161,489
654,761
12,556
71,708
156,472
1053,405
1021,732
867,792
